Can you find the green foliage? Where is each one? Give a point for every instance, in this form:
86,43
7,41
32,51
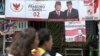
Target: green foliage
57,31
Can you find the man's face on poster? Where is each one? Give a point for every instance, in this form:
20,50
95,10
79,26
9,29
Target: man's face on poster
58,7
80,32
69,6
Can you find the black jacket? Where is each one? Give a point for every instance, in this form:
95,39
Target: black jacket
53,15
74,14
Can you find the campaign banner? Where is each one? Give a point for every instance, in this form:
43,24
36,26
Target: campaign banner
75,31
93,9
49,10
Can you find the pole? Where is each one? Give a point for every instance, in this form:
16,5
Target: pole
99,28
4,42
99,38
99,45
4,39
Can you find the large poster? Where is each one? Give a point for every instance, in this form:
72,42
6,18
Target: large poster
75,9
75,31
92,9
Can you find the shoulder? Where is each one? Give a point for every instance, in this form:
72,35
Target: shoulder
77,36
74,9
61,11
65,11
83,36
10,55
46,54
52,12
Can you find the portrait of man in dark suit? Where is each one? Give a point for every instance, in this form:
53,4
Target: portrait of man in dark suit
57,13
80,37
71,13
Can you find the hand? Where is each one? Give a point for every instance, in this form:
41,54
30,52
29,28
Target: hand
2,33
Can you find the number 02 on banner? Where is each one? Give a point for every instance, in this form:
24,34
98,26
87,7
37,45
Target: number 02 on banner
36,14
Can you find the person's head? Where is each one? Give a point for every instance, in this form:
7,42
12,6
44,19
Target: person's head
69,4
80,32
45,39
58,6
24,42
